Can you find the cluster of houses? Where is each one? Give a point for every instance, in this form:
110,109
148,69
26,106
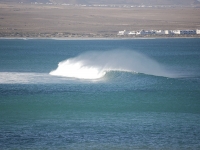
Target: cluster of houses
160,32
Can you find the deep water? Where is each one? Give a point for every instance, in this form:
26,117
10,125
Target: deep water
105,94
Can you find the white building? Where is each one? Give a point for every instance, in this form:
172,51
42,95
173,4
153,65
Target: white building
143,32
197,31
176,31
122,32
138,33
167,31
160,32
132,33
152,31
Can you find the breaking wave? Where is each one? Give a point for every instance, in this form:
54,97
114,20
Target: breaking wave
95,64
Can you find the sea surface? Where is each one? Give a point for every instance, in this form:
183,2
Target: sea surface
100,94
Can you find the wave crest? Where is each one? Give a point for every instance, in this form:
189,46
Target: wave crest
95,64
78,69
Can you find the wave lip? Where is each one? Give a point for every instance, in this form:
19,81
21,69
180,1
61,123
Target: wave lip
72,69
95,64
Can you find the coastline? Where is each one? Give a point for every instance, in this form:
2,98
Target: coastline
99,38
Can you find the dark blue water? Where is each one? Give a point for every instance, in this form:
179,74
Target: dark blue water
134,109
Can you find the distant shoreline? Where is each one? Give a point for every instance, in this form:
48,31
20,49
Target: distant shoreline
98,38
70,36
58,35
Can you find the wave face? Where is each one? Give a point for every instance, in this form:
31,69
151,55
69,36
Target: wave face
95,64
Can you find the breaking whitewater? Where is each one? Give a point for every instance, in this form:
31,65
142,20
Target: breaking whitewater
94,65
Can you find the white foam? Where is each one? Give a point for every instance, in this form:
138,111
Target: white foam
77,70
25,78
94,65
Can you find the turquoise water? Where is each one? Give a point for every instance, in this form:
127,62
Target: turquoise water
123,94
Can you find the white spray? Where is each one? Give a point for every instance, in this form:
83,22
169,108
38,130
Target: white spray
95,64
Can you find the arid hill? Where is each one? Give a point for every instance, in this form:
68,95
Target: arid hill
28,20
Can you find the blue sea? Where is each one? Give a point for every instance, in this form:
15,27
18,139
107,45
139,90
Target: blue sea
100,94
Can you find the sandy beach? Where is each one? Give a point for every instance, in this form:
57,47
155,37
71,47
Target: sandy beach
57,21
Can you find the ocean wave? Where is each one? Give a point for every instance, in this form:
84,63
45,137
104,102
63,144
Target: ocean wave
95,64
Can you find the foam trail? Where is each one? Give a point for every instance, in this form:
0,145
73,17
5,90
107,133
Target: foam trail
95,64
27,78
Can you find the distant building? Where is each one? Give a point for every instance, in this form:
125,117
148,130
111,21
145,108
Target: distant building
153,32
197,31
187,31
132,33
143,32
167,31
176,31
122,32
160,32
138,33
